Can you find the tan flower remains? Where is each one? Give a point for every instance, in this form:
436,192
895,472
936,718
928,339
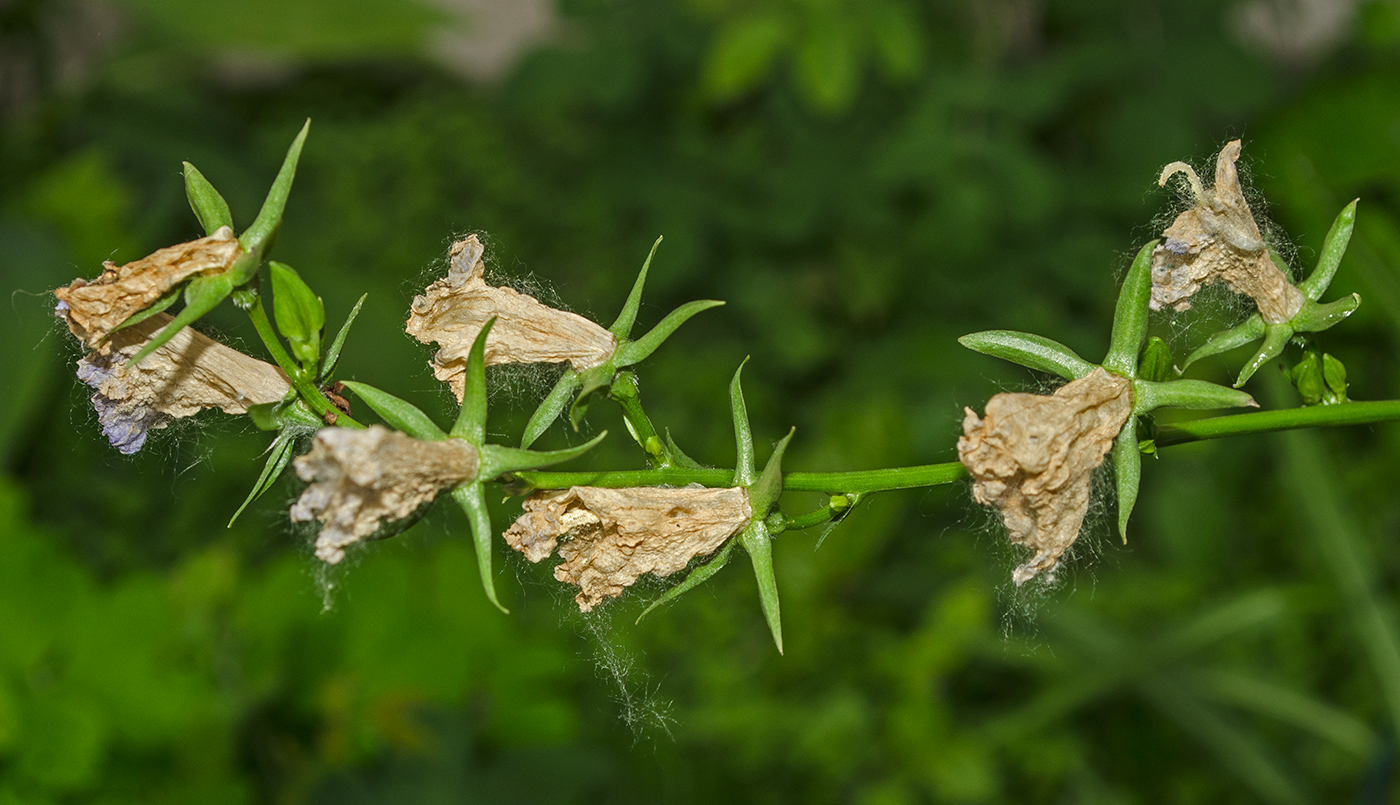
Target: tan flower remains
1218,240
188,373
612,536
93,309
453,310
1033,457
361,479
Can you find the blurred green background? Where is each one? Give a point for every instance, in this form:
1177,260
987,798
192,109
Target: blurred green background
863,181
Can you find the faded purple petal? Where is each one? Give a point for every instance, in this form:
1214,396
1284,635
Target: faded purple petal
123,423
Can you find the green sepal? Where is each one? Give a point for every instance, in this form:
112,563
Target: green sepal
744,474
1029,350
279,455
1127,472
842,512
399,414
258,237
497,460
1156,362
206,202
155,307
202,295
1250,330
264,415
678,456
1334,377
622,327
299,312
471,419
599,377
550,407
633,352
1314,317
699,575
1275,339
333,354
1333,247
469,496
1320,378
765,491
1130,315
1193,395
759,546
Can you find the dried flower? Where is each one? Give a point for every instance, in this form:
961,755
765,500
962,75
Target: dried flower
361,479
188,373
94,309
612,536
1033,457
1218,240
453,310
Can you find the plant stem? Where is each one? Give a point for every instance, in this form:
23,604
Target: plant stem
1351,413
307,389
625,392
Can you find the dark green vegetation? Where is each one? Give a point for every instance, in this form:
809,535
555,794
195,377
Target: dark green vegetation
862,191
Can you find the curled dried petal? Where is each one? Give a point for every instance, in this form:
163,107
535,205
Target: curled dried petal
94,309
1218,240
360,479
453,310
1033,457
612,536
186,374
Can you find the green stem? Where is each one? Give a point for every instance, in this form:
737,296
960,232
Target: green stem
308,390
624,390
823,515
832,483
1351,413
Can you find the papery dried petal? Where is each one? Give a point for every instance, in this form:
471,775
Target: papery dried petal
93,309
186,374
361,479
1218,241
612,536
453,310
1033,456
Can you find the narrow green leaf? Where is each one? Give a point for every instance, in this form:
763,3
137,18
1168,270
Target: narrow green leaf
1029,350
157,306
678,457
398,414
258,237
279,454
497,460
698,576
622,328
1127,473
1275,339
1156,361
759,546
550,408
1130,316
1316,317
208,205
202,294
1193,395
765,491
630,353
854,500
744,474
299,312
333,354
1333,247
593,380
1250,330
470,498
471,419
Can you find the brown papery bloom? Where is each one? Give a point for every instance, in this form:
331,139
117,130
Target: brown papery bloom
1218,240
452,311
361,479
94,309
1033,456
612,536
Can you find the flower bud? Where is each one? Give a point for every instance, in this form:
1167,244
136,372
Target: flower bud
360,479
93,310
188,373
1217,240
1033,457
453,310
612,536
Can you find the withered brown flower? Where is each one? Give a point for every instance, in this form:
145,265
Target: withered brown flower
361,479
93,309
1033,457
1218,240
453,310
612,536
188,373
